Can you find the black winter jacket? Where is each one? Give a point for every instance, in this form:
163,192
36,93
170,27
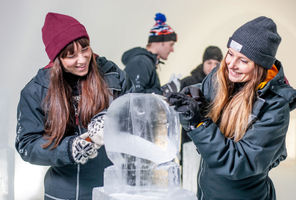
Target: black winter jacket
64,179
197,76
239,170
140,65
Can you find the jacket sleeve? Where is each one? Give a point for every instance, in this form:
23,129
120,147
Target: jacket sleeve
140,72
30,130
127,85
261,148
117,79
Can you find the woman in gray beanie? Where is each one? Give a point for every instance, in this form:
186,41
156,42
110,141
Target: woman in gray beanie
241,135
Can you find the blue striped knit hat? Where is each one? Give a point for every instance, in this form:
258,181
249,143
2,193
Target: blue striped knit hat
161,32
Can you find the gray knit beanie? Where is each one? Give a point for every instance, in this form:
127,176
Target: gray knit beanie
258,40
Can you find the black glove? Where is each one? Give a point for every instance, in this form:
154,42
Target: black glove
173,86
195,92
188,108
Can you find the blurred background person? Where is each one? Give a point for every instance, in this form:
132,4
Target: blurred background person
141,63
212,57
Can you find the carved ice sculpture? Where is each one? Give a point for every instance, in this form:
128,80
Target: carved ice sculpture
142,139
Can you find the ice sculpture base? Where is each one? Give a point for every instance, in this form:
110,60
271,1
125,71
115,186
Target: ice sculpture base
191,161
143,193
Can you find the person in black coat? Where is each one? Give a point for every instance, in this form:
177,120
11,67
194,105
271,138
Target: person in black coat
141,63
212,57
60,114
241,135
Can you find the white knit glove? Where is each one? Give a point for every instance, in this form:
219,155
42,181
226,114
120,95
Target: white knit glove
83,150
95,130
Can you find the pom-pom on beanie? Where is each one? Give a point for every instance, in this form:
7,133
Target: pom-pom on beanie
258,40
58,31
161,32
212,52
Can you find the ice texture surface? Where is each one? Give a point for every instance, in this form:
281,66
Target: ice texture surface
141,125
142,139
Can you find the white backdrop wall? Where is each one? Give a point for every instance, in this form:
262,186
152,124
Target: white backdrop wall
115,26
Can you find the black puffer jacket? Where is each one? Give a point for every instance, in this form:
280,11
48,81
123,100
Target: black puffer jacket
140,65
197,76
64,179
239,170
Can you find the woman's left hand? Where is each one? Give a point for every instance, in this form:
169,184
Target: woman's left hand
95,130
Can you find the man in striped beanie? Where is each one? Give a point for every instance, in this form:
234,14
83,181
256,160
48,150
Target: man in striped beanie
161,31
141,63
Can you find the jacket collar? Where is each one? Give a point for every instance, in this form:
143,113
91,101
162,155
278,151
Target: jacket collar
271,73
42,77
277,83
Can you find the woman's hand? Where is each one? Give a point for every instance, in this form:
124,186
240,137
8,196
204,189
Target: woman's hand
95,130
85,146
82,150
188,108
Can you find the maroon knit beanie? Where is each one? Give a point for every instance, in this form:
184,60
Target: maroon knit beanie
58,31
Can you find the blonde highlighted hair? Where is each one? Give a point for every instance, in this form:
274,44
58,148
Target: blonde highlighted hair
232,108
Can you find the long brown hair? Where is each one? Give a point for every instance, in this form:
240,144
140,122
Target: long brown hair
58,101
233,110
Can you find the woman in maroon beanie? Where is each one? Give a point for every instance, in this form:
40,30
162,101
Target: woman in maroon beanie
61,111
